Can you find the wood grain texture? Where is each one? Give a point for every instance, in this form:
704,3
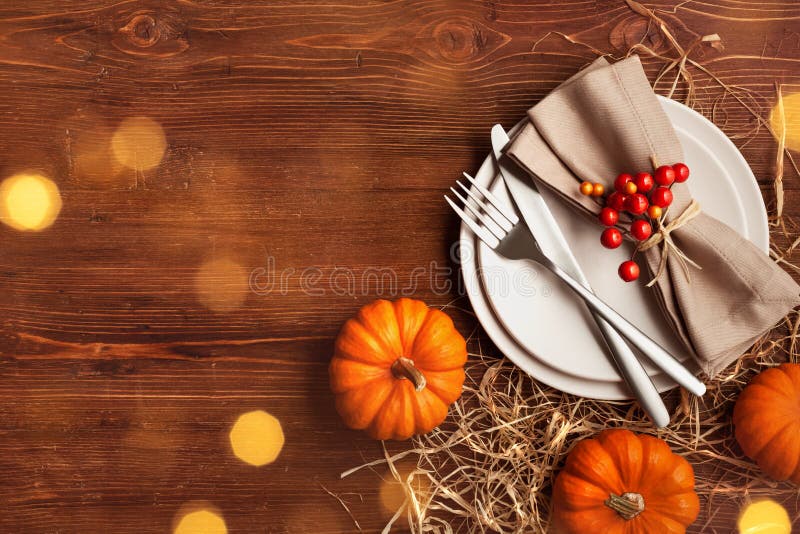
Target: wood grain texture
311,136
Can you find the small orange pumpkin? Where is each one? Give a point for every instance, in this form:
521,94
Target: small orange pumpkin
621,482
396,369
767,421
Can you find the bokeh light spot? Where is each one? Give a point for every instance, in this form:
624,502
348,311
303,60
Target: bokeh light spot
139,143
221,284
201,522
257,438
88,143
29,202
789,118
764,517
393,494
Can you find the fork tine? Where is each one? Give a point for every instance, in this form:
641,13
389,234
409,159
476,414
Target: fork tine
487,221
496,216
483,234
507,212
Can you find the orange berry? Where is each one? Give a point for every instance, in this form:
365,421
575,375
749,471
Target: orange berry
630,188
621,180
654,212
598,190
587,188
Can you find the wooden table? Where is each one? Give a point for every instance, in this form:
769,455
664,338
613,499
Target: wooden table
304,141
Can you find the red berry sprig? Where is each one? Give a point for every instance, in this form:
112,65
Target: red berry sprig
628,270
611,238
644,197
644,182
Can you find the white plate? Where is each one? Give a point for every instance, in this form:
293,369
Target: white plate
544,329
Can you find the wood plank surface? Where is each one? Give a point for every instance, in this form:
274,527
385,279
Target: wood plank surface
306,139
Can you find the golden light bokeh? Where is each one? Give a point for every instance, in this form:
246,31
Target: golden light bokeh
203,521
257,438
393,493
764,517
392,496
139,143
222,284
29,202
88,142
786,114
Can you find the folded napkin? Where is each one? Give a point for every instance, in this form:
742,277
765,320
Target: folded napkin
606,120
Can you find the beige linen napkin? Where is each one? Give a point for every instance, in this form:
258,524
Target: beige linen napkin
606,120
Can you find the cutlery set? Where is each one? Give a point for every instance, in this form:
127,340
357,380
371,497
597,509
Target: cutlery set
528,231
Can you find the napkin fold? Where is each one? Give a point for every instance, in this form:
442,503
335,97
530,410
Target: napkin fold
606,120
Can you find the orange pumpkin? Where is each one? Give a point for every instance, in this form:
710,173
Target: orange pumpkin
396,368
620,482
767,421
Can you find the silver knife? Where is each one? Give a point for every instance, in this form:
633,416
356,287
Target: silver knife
554,246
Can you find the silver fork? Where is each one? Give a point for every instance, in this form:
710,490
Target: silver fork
499,227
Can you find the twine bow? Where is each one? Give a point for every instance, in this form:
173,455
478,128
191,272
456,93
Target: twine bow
669,246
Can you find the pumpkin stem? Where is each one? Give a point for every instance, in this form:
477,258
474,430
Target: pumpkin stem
403,368
627,505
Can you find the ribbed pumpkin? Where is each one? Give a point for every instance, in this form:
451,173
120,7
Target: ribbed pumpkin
396,368
620,482
767,421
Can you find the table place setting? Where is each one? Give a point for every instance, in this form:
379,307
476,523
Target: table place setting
713,309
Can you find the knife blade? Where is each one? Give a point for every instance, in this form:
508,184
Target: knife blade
534,211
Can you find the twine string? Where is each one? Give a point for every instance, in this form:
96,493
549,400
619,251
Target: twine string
664,236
